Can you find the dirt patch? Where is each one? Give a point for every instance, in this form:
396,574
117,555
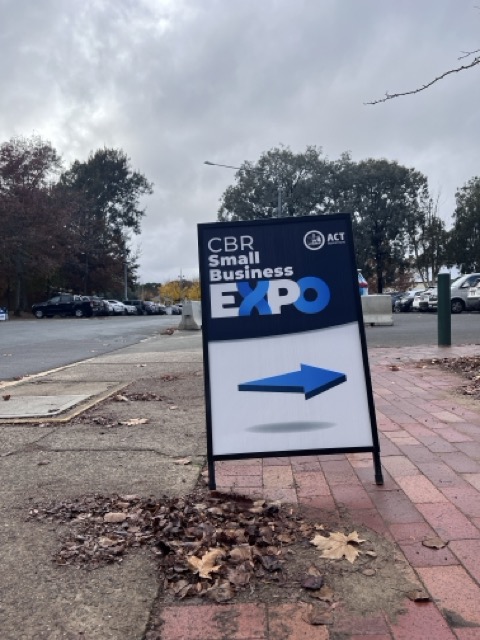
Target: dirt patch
467,366
213,547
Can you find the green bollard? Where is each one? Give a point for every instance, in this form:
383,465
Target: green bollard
444,313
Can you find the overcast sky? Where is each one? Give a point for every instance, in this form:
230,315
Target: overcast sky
174,83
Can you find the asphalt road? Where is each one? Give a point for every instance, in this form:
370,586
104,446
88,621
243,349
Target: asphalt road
31,346
414,329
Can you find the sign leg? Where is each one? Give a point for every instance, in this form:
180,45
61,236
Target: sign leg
211,475
378,468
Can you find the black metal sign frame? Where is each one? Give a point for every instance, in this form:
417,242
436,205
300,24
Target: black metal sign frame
272,288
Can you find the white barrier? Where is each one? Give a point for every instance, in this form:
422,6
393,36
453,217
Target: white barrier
377,309
191,316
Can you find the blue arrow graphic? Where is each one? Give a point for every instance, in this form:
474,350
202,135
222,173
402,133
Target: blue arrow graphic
309,380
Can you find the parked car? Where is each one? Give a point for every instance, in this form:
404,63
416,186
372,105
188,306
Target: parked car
396,295
150,307
139,306
429,300
419,297
473,298
459,290
130,309
64,304
173,310
406,301
117,307
97,304
459,294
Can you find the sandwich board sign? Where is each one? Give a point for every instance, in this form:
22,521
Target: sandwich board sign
285,356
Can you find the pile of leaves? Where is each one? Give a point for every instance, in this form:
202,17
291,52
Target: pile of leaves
467,366
207,544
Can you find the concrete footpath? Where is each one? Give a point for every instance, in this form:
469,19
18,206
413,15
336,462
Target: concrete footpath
430,440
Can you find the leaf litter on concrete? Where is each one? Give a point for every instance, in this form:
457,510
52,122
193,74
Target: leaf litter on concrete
218,547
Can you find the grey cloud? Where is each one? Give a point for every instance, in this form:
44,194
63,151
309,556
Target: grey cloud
176,83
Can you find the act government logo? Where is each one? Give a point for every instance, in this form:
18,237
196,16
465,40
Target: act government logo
314,240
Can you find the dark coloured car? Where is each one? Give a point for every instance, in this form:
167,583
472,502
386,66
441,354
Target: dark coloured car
396,295
138,304
150,307
96,304
405,303
64,304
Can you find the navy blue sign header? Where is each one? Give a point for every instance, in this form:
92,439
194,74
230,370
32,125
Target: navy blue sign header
278,276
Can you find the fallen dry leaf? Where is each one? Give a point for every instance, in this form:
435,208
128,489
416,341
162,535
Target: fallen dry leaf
434,543
107,542
338,546
326,594
114,516
241,553
183,461
221,592
312,582
120,398
6,397
316,614
205,565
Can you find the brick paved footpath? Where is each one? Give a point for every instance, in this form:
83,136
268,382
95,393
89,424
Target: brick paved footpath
430,449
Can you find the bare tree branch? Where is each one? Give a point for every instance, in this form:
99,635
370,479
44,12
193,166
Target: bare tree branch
466,54
391,96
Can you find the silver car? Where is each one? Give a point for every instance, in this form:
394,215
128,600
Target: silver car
460,289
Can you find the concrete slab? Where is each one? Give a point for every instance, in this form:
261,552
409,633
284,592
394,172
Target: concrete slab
49,387
47,602
121,372
52,475
177,437
160,357
13,437
27,406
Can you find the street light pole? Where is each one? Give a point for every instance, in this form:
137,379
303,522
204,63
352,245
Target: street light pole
279,186
125,274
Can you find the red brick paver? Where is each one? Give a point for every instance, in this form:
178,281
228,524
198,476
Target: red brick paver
431,462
